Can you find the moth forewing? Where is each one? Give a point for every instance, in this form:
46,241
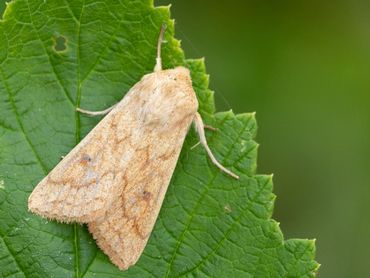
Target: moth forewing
80,188
91,177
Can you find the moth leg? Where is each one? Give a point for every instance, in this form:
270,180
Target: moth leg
205,127
196,145
96,113
202,137
210,128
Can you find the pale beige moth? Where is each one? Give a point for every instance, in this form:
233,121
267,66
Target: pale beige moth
116,178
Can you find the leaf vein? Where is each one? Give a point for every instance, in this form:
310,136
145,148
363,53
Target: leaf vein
20,124
14,257
203,194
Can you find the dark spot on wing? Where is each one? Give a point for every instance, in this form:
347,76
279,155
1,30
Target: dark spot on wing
147,195
85,159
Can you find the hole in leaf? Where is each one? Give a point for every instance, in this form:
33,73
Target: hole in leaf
60,44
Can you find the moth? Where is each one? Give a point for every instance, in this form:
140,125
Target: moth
116,178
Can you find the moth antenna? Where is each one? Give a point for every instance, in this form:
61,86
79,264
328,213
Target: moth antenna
158,65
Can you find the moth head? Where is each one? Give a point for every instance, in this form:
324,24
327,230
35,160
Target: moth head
171,99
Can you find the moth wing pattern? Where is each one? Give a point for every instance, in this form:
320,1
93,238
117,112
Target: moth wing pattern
90,178
124,231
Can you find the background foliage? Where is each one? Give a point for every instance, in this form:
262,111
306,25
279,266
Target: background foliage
304,67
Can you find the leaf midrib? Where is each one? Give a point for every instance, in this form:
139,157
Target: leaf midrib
76,240
75,227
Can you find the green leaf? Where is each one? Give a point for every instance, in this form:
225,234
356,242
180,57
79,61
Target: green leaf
57,55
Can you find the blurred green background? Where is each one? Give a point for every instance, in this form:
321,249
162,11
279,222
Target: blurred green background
304,67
